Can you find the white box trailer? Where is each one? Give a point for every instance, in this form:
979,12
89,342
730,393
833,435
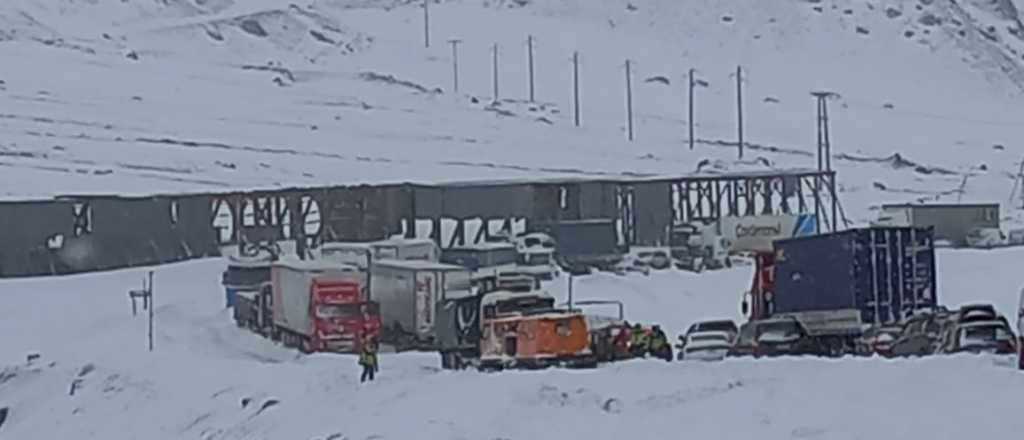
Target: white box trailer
360,254
292,282
408,291
406,249
485,261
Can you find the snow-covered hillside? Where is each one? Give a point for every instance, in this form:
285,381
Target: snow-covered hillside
209,380
112,96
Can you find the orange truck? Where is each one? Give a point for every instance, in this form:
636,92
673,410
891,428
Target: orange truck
512,329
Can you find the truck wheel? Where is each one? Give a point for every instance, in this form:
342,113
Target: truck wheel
728,262
305,345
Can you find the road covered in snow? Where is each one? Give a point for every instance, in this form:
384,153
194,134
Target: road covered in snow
209,380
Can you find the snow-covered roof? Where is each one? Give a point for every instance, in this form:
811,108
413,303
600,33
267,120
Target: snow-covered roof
986,323
399,241
419,265
492,298
708,334
263,259
346,246
485,246
315,265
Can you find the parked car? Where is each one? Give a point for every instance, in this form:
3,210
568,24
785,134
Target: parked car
706,346
878,340
921,333
991,336
719,325
783,336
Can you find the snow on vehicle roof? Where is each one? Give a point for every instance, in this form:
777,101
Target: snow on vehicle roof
249,262
709,334
492,298
986,323
420,265
346,245
315,265
553,314
247,294
595,322
400,241
485,246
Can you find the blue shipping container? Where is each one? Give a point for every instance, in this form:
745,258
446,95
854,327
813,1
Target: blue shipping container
885,272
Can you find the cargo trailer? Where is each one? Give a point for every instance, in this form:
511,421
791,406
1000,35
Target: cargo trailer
408,292
587,243
835,283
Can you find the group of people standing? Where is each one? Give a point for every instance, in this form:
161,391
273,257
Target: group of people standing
638,342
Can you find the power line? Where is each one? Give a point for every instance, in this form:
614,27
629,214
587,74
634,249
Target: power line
928,115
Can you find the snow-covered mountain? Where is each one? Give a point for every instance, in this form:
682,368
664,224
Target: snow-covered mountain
142,96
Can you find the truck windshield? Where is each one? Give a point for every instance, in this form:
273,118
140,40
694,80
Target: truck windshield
716,326
344,310
680,239
535,259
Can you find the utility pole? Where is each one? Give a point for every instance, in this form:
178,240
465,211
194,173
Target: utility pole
455,63
1019,181
529,51
576,87
825,152
151,307
739,108
690,115
146,295
426,23
494,69
629,100
824,143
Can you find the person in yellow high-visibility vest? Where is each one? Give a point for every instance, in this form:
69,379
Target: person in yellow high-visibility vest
368,359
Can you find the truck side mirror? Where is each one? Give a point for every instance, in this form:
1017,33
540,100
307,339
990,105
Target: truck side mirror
746,307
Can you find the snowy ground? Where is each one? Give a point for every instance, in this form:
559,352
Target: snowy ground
122,97
204,368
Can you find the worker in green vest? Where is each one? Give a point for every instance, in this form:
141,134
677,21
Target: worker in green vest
658,345
638,342
368,359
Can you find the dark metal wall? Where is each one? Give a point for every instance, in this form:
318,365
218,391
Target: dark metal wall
80,234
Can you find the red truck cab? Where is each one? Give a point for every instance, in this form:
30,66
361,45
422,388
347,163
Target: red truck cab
341,317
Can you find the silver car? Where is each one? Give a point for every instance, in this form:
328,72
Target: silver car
706,346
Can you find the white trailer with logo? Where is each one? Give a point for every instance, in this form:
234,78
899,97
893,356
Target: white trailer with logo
408,292
707,245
